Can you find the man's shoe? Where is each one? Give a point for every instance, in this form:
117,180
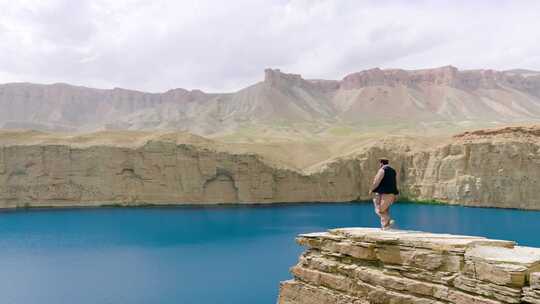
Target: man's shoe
389,226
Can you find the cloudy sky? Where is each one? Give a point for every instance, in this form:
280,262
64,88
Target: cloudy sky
156,45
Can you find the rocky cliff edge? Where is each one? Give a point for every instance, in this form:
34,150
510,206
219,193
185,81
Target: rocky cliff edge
367,265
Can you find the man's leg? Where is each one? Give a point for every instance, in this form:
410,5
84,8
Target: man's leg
385,217
377,205
384,208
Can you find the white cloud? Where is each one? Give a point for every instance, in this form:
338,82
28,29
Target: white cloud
156,45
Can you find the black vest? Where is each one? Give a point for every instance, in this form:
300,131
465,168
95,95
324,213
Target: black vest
388,183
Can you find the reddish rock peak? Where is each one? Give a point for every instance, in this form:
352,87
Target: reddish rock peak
447,76
441,76
275,77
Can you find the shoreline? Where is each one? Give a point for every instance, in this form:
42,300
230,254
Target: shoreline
221,205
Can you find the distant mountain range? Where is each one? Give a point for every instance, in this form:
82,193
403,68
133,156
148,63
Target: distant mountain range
373,96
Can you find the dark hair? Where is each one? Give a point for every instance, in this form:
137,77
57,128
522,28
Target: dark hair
383,161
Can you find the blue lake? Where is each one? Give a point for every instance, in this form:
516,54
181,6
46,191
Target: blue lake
235,254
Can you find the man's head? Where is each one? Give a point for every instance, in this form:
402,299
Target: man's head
383,161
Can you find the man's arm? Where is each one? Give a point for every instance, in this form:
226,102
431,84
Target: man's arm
397,183
377,180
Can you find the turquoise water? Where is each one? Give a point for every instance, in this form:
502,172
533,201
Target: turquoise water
196,254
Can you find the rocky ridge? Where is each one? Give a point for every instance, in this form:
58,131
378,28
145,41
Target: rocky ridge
372,97
493,168
368,266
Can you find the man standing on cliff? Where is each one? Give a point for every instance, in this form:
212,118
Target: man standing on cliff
385,189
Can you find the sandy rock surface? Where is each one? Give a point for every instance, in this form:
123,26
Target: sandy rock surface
367,265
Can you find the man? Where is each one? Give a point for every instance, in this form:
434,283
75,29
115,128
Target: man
385,189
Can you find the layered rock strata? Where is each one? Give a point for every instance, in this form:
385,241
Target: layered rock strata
154,171
496,168
375,97
367,265
488,168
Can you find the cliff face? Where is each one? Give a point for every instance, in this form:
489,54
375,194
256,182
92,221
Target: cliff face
495,168
478,173
445,76
156,171
500,168
366,265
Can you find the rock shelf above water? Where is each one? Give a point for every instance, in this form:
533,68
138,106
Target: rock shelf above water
368,265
